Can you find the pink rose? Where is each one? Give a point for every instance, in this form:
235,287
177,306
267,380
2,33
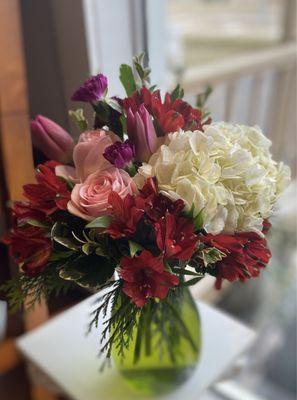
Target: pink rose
90,198
88,153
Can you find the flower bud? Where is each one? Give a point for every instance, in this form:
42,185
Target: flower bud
142,133
51,139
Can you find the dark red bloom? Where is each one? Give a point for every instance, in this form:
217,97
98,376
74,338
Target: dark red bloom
175,237
51,164
22,212
174,110
246,253
50,193
156,204
266,226
170,115
144,278
126,215
28,245
31,252
91,90
120,154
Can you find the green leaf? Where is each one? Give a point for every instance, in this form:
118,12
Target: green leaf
114,105
127,79
102,111
198,221
202,97
70,274
190,213
57,256
88,248
123,122
184,271
191,281
79,118
101,251
36,223
134,248
66,243
142,71
100,222
211,255
88,271
59,229
177,93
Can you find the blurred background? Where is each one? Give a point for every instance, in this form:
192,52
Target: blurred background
246,51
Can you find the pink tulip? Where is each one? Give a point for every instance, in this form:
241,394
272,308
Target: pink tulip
142,133
51,139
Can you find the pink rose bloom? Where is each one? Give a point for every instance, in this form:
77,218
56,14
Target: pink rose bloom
88,153
89,199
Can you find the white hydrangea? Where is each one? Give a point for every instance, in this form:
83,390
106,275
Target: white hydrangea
225,172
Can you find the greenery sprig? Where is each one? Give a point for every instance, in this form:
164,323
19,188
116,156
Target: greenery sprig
157,326
31,290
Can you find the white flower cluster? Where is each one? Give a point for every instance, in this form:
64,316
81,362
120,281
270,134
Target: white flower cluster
225,172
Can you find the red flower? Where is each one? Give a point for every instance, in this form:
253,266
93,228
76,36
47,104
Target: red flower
126,215
156,204
51,164
169,115
29,245
266,226
144,278
22,212
175,237
50,193
148,204
246,253
31,252
179,114
170,121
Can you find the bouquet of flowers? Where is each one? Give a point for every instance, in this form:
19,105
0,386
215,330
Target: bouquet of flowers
152,197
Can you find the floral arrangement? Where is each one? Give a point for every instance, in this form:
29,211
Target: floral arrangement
151,198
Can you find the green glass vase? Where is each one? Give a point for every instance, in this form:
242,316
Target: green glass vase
165,345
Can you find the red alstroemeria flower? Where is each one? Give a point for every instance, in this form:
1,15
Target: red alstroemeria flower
126,215
51,164
144,278
175,237
148,204
156,204
31,252
22,212
50,193
179,114
246,254
28,245
169,115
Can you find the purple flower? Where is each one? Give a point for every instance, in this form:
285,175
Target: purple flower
92,89
51,139
141,131
120,154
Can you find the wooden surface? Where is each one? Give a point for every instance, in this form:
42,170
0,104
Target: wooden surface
10,356
16,148
15,135
15,143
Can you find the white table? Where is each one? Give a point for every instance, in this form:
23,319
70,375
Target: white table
61,349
